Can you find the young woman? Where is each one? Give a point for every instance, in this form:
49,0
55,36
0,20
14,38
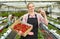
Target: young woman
35,19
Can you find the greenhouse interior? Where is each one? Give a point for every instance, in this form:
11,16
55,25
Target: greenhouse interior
19,8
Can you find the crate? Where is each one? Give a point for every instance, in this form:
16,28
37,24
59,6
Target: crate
21,27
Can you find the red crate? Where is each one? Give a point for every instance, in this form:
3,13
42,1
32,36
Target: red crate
25,28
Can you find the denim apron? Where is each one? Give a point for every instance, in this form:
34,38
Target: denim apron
34,22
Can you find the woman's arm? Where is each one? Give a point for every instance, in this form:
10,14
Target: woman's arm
43,17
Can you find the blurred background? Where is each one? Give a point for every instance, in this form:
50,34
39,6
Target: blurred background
18,8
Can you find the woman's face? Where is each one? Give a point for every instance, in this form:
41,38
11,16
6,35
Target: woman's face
31,7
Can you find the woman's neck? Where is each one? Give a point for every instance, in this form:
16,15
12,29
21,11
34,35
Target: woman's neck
31,13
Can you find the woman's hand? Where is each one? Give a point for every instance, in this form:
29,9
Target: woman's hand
20,33
31,33
43,13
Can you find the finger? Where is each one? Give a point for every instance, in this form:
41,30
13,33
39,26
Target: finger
20,32
30,33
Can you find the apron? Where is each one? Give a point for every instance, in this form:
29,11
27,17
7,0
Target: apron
34,22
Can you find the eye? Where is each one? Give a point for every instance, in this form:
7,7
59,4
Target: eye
29,6
32,6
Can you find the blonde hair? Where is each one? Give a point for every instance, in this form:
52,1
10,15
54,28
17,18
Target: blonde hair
29,4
